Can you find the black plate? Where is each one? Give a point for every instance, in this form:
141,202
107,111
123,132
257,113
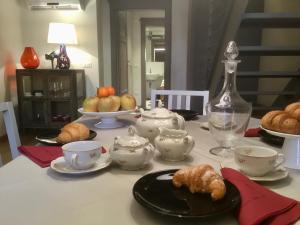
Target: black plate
186,114
271,139
50,138
156,192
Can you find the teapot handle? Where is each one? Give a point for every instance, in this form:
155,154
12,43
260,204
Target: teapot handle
179,120
190,142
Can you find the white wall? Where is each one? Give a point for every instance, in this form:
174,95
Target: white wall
155,68
20,27
10,46
84,55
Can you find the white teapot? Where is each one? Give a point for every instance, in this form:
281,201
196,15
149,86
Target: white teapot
131,152
174,145
146,126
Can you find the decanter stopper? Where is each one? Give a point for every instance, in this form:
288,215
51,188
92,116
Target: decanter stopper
231,51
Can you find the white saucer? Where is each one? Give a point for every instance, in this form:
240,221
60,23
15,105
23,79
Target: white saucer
272,176
59,165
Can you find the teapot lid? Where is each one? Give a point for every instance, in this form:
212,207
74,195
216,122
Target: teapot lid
158,113
131,141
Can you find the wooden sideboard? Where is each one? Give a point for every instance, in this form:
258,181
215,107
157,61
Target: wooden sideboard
48,98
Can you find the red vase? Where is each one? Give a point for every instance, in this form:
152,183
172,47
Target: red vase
29,58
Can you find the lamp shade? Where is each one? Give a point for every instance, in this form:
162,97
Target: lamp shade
62,33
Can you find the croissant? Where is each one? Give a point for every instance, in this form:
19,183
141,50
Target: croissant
203,179
282,121
73,132
294,110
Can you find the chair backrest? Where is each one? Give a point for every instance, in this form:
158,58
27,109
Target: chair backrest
11,127
179,94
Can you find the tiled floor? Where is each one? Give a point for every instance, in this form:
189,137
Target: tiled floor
27,138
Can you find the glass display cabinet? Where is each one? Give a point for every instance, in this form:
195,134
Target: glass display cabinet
49,98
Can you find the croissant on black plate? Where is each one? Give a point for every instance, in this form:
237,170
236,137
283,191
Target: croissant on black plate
73,132
202,179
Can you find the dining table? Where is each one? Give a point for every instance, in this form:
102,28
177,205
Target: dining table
31,195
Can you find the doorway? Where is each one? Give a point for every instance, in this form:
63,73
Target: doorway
152,56
140,46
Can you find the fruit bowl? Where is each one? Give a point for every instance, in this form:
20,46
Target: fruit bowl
108,119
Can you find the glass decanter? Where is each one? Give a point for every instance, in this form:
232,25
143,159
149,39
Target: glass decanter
228,114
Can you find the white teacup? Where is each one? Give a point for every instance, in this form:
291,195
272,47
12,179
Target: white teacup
256,160
82,154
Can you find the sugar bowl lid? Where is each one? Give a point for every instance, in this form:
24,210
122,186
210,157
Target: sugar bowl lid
157,113
131,140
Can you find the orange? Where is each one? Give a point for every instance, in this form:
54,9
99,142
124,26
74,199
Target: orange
111,90
102,92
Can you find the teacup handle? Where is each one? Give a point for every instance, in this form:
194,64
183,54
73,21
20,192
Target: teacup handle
279,160
74,160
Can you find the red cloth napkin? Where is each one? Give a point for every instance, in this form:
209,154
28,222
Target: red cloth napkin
43,155
252,132
260,205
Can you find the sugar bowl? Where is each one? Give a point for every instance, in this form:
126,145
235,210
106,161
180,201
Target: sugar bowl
131,152
173,145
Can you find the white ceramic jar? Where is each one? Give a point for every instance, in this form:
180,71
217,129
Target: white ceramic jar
149,122
174,145
131,152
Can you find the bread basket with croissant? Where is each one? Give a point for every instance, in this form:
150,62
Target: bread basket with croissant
286,124
284,121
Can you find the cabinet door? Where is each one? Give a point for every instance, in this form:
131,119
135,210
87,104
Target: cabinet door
33,113
80,84
59,86
60,112
32,85
60,101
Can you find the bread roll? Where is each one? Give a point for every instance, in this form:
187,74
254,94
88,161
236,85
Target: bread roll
203,179
281,121
73,132
294,110
266,121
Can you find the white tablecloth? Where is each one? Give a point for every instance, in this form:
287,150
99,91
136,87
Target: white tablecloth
30,195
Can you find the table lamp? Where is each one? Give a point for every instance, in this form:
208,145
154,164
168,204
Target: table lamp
61,33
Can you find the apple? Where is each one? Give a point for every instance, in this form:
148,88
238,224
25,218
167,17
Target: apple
116,103
90,104
105,104
128,102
